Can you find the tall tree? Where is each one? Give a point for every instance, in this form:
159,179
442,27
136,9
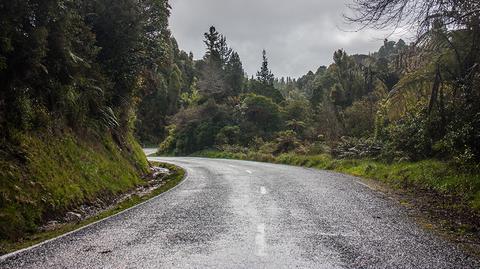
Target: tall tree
224,51
221,72
265,75
263,85
212,41
235,75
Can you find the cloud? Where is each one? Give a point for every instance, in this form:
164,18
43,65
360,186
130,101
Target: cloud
298,35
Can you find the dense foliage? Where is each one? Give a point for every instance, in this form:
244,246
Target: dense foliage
402,102
216,104
79,64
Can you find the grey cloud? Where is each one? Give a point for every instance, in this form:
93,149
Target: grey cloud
298,35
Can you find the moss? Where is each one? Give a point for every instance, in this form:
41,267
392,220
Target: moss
172,180
59,172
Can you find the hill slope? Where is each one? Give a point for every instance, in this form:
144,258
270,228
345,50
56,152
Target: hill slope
47,174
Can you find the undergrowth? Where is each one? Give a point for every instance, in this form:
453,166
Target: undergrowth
462,185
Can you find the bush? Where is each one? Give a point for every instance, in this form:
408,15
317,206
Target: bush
261,116
360,118
198,128
168,145
318,147
409,137
286,141
461,141
228,135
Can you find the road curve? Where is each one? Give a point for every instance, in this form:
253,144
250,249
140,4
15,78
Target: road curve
237,214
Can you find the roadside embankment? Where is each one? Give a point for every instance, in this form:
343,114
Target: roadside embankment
53,184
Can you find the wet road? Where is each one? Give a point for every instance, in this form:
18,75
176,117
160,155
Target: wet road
235,214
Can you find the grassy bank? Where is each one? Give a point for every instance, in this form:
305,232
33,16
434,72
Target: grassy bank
43,176
177,175
459,188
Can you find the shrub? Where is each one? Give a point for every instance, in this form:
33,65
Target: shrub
261,116
286,141
228,135
410,136
360,118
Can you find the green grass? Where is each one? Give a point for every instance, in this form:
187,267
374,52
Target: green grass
51,173
7,246
459,185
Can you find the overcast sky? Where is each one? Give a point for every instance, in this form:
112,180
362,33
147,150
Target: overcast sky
299,35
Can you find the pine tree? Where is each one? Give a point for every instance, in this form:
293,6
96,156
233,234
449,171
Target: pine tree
224,51
212,41
235,74
265,75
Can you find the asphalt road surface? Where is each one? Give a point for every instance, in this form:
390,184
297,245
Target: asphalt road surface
237,214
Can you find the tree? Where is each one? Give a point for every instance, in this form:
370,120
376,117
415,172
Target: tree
235,75
266,90
167,86
444,66
422,14
297,115
196,128
212,82
214,45
265,76
264,84
221,72
49,68
224,51
261,115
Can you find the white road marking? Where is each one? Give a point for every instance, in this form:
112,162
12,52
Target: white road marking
328,234
248,171
263,190
231,165
260,240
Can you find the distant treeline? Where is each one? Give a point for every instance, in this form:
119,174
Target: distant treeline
403,102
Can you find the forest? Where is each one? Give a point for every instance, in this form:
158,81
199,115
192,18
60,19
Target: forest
83,81
404,102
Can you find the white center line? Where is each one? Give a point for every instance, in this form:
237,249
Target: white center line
263,190
248,171
260,240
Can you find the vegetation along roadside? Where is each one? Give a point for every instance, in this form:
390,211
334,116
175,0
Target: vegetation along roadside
163,177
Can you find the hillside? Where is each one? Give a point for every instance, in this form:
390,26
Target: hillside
50,173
